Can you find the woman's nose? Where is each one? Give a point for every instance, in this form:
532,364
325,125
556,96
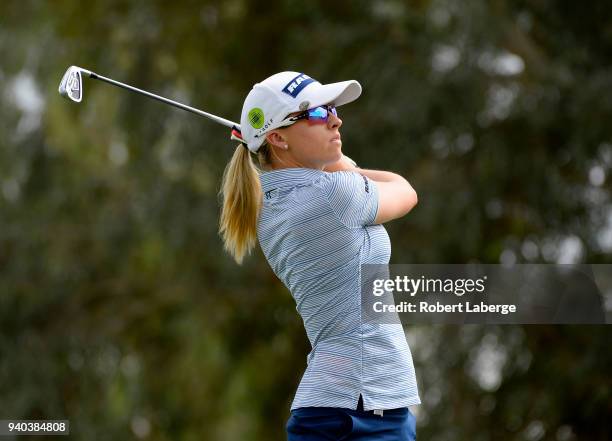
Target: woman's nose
333,121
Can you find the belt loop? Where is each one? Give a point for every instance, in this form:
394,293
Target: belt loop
378,412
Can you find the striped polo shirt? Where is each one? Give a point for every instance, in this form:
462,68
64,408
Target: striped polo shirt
316,229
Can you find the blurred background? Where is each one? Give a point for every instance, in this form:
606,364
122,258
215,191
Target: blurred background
119,309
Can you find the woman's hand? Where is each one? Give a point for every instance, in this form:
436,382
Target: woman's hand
344,163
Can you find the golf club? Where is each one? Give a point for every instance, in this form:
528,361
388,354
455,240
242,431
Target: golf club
71,87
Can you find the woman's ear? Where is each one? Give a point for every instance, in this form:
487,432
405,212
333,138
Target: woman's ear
276,139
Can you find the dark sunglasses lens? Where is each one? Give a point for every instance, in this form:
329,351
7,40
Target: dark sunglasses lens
317,113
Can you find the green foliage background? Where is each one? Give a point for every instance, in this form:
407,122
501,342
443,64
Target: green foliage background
119,309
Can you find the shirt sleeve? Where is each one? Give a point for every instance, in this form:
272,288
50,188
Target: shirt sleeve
353,197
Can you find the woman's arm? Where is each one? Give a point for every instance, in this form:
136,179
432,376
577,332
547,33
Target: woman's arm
396,197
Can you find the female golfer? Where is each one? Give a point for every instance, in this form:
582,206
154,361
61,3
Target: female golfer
318,218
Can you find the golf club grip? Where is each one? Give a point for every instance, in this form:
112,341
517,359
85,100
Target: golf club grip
215,118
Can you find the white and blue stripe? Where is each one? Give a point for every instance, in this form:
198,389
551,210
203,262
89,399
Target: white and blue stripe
316,229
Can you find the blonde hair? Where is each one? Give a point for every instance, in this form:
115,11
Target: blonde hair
241,193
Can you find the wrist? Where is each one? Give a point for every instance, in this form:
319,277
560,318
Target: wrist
350,161
343,164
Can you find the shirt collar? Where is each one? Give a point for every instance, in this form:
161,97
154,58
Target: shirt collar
289,177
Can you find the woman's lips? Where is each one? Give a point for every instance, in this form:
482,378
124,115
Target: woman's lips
336,138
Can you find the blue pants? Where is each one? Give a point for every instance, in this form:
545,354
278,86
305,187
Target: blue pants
341,424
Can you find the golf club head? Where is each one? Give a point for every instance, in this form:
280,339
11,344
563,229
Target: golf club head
71,85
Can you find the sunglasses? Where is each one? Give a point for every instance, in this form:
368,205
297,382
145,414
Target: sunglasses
317,114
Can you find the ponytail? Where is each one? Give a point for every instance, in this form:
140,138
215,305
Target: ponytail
242,195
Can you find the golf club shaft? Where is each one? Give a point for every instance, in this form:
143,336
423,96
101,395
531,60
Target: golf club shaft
215,118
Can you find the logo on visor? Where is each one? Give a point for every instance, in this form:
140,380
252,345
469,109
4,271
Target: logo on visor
295,86
256,117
